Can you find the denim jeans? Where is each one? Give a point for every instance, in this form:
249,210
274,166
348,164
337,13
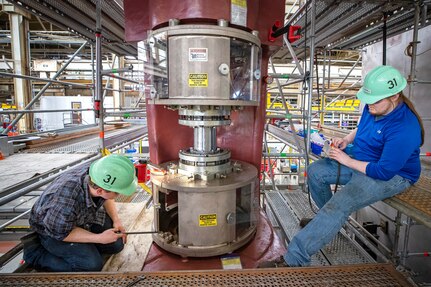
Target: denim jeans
358,191
60,256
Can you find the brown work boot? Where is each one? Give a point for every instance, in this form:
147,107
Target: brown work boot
276,263
304,221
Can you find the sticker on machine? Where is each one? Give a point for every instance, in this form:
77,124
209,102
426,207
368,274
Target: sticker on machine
238,13
207,220
199,80
198,55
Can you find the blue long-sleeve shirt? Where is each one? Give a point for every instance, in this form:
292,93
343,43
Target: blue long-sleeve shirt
390,144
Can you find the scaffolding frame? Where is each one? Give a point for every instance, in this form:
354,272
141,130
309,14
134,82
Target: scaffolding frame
399,251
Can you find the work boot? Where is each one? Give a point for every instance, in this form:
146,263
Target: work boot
276,263
304,221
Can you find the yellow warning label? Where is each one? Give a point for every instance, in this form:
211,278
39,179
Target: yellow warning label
198,80
242,3
207,220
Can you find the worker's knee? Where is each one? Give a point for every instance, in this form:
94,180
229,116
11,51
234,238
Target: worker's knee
117,246
112,248
317,168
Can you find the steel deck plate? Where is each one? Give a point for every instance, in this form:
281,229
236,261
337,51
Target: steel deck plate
368,275
90,143
289,222
415,201
290,206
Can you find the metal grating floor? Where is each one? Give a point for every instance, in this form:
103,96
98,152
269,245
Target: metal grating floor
141,196
89,143
290,206
419,195
415,201
367,275
289,222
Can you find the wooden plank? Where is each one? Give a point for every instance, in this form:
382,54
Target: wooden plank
135,217
65,137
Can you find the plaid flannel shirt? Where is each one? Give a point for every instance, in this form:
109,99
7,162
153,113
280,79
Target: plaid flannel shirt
65,204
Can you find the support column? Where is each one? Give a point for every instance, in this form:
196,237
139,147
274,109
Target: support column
118,85
20,54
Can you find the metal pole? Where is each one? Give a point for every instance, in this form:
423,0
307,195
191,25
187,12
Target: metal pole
329,69
292,52
36,98
98,100
322,97
45,111
107,82
42,79
412,76
122,78
6,224
311,78
287,113
120,70
396,237
350,71
385,17
406,242
269,162
93,92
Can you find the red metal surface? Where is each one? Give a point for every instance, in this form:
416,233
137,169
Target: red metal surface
144,15
265,246
165,136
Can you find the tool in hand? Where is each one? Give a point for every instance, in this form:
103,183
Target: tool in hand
137,232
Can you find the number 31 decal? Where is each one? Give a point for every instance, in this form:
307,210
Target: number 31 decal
392,83
109,179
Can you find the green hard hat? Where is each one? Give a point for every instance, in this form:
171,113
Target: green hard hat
114,173
381,82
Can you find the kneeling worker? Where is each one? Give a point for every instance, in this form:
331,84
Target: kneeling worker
72,230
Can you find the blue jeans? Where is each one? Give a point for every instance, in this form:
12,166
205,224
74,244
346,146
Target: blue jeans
60,256
358,192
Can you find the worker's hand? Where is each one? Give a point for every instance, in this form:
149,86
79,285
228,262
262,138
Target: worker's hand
339,155
340,143
119,226
109,236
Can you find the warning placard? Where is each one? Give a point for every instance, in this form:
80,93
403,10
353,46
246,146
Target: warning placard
207,220
198,80
198,54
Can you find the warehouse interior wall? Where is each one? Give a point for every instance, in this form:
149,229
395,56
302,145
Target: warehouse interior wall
59,120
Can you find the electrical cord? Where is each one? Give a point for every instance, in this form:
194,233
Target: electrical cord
337,182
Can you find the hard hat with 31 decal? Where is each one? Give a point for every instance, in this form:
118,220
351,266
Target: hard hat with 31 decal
114,173
380,83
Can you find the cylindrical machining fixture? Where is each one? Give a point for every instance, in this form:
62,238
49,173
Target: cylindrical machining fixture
207,203
205,140
210,65
205,166
204,116
211,217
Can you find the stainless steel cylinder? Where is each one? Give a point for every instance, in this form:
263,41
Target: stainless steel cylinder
205,139
206,218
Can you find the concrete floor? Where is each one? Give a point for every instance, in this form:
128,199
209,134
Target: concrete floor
19,167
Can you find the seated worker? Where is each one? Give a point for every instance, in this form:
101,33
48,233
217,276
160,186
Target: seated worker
72,230
386,162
